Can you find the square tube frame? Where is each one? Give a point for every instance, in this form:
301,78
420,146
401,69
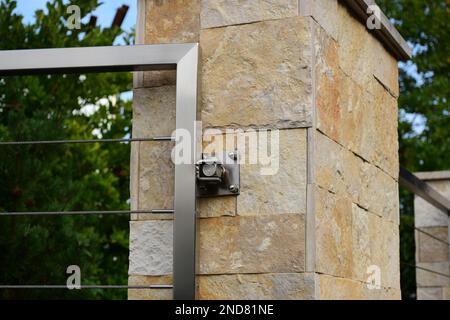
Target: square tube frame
183,58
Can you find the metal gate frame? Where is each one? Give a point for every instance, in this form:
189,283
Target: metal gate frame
183,58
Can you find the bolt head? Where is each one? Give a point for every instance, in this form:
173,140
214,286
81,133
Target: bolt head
233,155
233,188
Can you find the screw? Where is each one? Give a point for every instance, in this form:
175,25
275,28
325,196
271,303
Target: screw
233,155
233,188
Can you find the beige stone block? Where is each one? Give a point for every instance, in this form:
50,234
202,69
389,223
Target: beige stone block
151,246
386,68
426,278
170,21
159,78
273,185
278,286
385,250
216,206
333,234
431,249
257,75
446,293
328,85
264,244
334,288
379,193
362,222
382,125
355,48
362,56
217,13
429,293
156,179
344,173
149,294
152,168
329,164
375,243
357,117
427,215
154,111
324,12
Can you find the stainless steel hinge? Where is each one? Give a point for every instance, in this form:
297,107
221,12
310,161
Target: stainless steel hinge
218,175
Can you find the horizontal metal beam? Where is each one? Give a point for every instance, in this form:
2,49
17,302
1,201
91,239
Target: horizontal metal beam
89,286
74,213
11,143
424,190
92,59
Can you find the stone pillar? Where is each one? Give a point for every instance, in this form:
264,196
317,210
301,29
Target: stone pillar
432,254
313,227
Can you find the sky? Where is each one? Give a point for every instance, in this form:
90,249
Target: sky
105,13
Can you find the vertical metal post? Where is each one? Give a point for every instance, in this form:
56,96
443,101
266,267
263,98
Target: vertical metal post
185,216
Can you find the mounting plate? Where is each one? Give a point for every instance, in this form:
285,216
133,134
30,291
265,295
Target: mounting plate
226,185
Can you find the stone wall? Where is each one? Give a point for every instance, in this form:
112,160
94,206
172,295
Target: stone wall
432,254
310,231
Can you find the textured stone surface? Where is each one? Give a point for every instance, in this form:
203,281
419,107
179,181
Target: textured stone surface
324,12
257,75
170,21
361,56
268,194
381,124
342,172
427,279
328,84
159,78
334,288
386,68
375,242
154,111
429,293
446,293
333,234
430,249
151,244
265,244
329,164
379,193
152,184
426,215
363,122
282,286
149,294
156,177
216,207
216,13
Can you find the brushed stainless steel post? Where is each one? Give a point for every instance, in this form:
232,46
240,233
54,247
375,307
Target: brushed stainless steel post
184,249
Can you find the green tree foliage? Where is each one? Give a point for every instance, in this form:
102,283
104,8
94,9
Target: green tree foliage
424,127
37,250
